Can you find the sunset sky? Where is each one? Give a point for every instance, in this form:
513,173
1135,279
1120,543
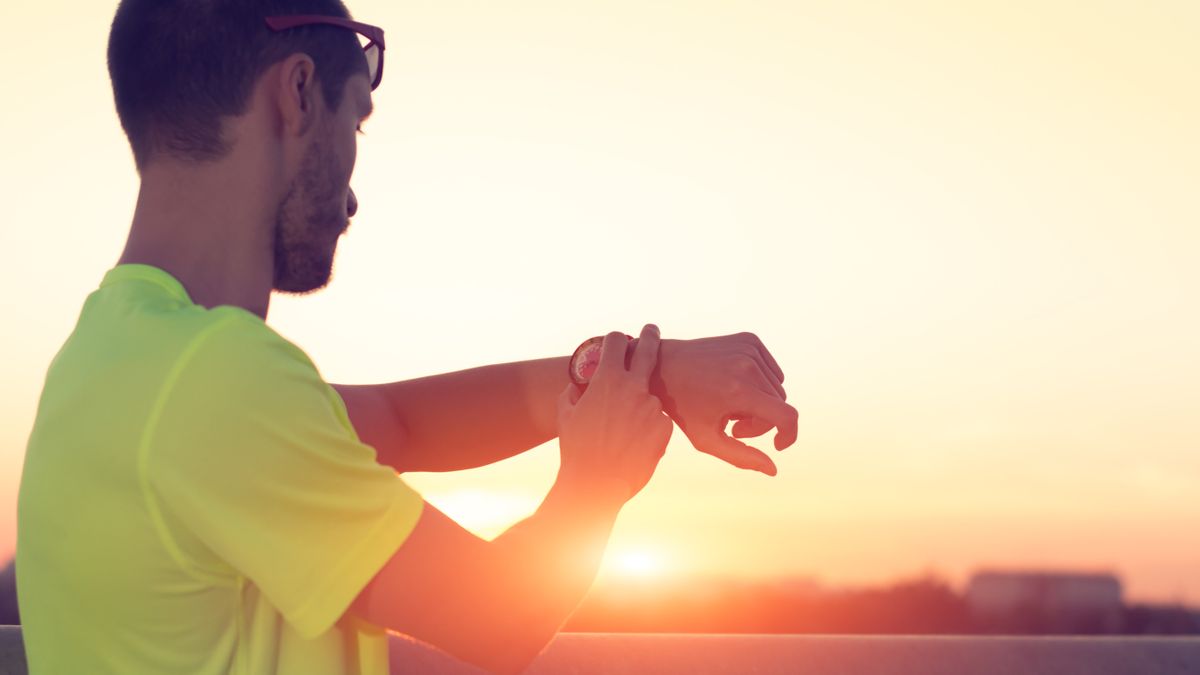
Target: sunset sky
968,231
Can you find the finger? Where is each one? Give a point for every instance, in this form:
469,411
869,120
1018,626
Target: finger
645,355
612,353
776,412
762,377
770,361
735,452
750,427
769,375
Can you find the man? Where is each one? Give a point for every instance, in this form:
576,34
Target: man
195,498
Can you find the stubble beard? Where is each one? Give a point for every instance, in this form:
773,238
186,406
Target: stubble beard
307,224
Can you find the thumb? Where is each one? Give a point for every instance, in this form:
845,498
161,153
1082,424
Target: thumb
734,452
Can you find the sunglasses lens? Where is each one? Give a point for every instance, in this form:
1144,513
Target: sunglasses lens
374,59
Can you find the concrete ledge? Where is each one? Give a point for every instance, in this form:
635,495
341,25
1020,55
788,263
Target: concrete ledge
12,651
639,654
642,654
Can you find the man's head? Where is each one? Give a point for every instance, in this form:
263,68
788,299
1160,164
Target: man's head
208,82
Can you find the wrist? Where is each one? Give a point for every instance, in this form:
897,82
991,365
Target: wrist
590,493
658,385
582,364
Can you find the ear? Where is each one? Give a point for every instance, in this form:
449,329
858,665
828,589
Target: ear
297,94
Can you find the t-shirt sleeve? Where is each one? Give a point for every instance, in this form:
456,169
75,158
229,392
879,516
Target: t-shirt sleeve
252,451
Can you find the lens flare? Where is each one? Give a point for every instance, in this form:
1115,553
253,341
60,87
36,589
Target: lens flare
638,563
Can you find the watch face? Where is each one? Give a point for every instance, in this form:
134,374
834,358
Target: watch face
585,360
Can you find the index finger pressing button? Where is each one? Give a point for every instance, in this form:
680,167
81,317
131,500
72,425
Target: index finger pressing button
612,353
645,354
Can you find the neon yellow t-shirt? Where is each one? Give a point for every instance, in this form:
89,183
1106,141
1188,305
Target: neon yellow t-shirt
195,499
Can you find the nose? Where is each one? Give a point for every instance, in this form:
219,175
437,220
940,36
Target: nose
351,204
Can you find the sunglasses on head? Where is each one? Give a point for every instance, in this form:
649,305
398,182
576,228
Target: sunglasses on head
372,49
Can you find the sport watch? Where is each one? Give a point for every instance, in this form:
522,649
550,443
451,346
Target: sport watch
586,359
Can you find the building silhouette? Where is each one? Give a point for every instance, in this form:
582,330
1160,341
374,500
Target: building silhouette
1045,602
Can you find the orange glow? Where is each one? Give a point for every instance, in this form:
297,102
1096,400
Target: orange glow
967,231
636,563
486,513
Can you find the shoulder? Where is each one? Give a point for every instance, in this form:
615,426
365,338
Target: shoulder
237,337
239,347
242,395
236,363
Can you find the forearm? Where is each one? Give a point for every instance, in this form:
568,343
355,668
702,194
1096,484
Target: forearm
459,420
467,418
542,568
498,603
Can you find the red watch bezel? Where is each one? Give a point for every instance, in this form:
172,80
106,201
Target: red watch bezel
573,368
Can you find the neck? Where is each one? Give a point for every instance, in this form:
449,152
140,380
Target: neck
209,226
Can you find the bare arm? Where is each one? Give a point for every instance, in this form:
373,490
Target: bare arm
478,416
458,420
497,604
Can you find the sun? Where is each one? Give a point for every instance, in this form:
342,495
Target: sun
639,563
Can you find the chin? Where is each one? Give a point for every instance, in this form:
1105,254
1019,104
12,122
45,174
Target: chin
308,276
301,288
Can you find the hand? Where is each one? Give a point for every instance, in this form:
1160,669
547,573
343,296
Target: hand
705,383
613,434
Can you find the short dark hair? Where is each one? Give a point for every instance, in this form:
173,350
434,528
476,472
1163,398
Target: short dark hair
179,66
